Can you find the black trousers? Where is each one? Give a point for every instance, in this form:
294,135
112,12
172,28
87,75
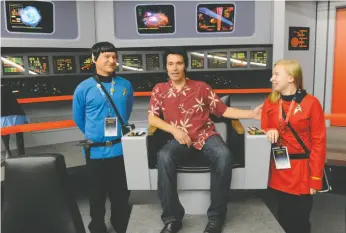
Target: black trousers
294,212
107,177
19,142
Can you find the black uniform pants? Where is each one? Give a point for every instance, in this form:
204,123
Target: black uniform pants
19,142
107,177
294,212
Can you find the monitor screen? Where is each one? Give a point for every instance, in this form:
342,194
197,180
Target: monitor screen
64,64
85,64
30,16
132,62
215,18
38,65
12,65
153,62
258,59
155,19
197,60
238,59
217,60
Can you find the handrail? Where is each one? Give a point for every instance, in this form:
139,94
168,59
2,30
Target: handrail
140,93
70,123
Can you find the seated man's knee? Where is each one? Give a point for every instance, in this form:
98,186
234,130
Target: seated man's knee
223,156
164,156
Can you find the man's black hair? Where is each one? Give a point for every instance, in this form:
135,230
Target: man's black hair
176,50
102,47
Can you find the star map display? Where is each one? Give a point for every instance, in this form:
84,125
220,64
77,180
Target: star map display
155,19
30,16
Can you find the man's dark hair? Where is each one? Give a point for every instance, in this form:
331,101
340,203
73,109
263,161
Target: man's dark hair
179,51
102,47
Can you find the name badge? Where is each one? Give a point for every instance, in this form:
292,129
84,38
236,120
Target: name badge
111,127
281,158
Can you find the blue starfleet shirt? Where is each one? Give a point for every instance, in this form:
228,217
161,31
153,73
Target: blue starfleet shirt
90,108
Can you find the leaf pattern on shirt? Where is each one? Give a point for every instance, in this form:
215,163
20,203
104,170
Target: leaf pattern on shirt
199,105
171,93
184,125
154,110
185,89
213,99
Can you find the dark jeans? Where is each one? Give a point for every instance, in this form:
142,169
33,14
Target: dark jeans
294,212
220,158
107,176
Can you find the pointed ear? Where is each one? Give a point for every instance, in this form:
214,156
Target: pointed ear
93,58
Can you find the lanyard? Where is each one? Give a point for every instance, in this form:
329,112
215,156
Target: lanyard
104,95
281,126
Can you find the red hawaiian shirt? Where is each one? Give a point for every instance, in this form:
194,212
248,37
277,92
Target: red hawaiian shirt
188,109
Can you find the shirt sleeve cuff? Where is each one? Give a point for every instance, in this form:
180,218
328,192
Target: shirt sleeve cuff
316,183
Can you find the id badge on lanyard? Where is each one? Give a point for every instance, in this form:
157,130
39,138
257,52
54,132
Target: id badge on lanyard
111,126
280,154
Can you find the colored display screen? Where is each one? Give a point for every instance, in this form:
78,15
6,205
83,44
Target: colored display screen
30,16
12,65
155,19
132,62
215,17
38,65
258,59
153,62
238,59
85,64
197,60
217,60
64,64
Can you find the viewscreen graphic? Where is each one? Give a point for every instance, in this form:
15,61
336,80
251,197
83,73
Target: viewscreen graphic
258,59
155,19
85,64
64,64
38,64
217,60
132,62
12,65
238,59
215,17
30,16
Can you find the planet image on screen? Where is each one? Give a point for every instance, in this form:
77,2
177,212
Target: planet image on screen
30,16
155,20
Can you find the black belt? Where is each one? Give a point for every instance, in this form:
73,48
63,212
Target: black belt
299,156
87,144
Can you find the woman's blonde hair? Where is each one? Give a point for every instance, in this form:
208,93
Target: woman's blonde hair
294,69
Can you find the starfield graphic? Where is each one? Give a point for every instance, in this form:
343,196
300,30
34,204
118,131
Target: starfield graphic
215,17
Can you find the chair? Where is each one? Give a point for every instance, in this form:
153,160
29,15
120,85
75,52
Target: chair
37,197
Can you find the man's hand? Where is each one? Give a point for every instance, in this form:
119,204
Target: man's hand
272,135
257,112
182,137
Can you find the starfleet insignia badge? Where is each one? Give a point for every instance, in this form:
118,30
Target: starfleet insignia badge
297,109
124,92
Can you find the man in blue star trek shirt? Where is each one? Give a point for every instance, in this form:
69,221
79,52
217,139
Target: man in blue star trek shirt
96,118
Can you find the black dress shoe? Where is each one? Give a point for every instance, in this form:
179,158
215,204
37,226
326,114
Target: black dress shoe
172,227
213,226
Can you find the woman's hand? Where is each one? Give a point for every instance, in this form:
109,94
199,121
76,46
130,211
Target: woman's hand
272,135
312,191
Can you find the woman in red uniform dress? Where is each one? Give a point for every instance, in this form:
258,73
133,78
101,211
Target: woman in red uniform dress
296,185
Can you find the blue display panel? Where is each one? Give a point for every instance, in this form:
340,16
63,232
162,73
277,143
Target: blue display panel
30,16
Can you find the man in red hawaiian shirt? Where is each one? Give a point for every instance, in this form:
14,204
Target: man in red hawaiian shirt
186,105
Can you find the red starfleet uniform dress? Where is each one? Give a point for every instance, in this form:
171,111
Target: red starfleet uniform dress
188,109
309,123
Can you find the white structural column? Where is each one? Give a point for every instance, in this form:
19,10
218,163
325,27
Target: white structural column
279,30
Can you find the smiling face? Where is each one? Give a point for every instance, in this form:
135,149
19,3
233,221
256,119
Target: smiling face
175,67
106,63
281,80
